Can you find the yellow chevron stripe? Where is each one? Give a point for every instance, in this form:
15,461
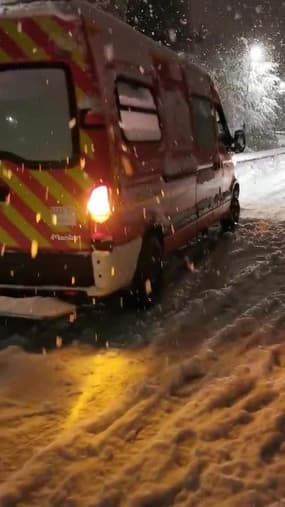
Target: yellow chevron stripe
27,229
31,200
4,58
32,50
62,39
81,178
81,97
86,145
24,41
63,198
6,239
59,192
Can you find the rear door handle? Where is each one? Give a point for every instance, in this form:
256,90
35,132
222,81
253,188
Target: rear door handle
4,193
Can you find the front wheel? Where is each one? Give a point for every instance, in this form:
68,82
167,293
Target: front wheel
229,222
148,277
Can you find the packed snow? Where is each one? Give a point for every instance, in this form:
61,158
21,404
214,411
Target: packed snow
263,185
184,405
35,307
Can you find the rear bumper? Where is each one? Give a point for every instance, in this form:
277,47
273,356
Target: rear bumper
57,269
99,273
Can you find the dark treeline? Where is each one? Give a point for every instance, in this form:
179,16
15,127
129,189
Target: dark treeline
165,21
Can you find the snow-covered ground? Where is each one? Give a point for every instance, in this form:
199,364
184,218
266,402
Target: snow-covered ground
263,187
184,406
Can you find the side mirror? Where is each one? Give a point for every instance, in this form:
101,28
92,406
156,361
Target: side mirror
89,119
239,141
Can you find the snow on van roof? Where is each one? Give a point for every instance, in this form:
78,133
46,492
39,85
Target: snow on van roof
64,9
68,9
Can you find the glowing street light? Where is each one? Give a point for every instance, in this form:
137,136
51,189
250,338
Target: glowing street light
256,53
282,88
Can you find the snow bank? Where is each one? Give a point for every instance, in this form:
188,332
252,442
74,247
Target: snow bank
206,432
263,187
35,307
256,156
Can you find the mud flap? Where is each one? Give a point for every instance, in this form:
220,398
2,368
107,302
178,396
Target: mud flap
35,308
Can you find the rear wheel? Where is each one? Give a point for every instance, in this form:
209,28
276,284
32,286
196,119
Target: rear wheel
229,222
148,277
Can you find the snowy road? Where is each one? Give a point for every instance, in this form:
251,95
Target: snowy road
184,405
263,188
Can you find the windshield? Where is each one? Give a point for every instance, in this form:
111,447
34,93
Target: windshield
35,115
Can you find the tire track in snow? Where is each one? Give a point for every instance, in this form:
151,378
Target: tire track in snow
158,440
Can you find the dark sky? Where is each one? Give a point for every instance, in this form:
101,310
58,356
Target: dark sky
167,21
227,19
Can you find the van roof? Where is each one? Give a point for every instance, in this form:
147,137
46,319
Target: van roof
72,9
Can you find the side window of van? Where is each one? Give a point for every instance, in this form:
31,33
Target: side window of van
139,118
203,122
224,135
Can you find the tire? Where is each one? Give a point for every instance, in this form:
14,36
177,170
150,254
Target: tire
148,277
229,222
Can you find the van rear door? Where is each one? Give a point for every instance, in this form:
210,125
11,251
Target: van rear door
47,159
41,199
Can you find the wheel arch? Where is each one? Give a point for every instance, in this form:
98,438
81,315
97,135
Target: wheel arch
151,229
236,189
154,230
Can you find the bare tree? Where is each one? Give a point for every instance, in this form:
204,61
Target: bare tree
249,90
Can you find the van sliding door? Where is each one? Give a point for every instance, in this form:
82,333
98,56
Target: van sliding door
179,165
204,131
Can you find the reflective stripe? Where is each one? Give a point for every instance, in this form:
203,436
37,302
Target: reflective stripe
81,178
62,38
11,230
31,200
10,47
86,145
20,37
4,57
59,192
24,227
5,238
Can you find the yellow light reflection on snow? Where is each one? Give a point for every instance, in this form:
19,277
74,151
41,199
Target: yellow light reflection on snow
109,369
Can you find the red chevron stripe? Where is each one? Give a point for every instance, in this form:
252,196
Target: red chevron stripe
9,46
12,230
43,40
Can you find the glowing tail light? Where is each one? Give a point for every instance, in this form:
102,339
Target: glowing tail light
99,205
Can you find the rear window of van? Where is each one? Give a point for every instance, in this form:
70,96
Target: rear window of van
36,115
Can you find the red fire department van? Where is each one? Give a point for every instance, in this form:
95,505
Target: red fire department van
114,152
